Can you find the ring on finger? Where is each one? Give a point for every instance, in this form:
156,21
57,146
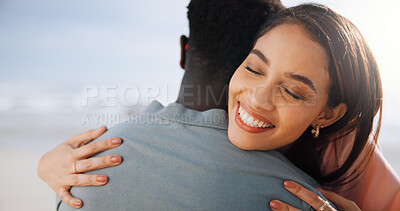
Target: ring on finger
74,168
323,206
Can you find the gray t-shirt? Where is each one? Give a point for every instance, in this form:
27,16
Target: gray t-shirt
175,158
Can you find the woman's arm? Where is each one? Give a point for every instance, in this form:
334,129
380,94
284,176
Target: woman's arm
312,199
377,189
60,167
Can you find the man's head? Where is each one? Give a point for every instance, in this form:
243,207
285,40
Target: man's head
221,36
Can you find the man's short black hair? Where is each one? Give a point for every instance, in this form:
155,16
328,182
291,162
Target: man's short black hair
222,31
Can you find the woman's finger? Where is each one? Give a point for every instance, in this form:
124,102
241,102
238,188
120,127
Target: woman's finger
331,195
96,147
83,138
85,180
306,195
95,163
340,202
278,205
67,198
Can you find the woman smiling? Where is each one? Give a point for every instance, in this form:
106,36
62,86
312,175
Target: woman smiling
310,88
283,83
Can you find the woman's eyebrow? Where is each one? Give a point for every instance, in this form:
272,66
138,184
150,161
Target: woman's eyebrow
260,55
294,76
302,79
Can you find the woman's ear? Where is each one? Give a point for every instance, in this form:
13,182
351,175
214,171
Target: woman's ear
332,115
183,41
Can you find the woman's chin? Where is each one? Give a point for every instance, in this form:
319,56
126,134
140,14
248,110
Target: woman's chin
242,144
249,145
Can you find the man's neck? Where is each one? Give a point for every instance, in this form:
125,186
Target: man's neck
202,96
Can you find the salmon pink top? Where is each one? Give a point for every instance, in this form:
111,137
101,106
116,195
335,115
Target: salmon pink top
377,189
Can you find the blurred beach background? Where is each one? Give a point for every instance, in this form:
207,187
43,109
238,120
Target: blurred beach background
70,66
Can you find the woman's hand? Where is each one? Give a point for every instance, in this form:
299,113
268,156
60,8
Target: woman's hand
312,199
60,167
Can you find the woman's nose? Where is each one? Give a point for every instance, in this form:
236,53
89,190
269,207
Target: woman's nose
262,97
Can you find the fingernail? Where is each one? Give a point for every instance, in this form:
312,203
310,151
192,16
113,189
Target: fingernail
115,159
275,204
289,184
101,178
116,141
77,203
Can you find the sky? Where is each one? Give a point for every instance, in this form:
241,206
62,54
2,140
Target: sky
55,52
51,47
50,50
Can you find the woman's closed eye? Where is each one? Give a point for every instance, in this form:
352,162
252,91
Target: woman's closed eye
253,71
295,96
285,89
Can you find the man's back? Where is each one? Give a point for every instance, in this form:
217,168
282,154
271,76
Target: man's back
180,159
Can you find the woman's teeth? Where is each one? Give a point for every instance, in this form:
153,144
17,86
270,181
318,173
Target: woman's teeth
252,121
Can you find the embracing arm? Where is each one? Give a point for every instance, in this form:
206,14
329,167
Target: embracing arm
312,199
377,189
60,168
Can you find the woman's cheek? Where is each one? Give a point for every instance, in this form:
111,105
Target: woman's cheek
234,84
296,121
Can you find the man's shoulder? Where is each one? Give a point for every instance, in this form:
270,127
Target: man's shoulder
173,165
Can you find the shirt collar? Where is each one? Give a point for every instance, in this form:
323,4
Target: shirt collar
215,118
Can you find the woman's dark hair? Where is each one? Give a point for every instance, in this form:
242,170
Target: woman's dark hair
354,80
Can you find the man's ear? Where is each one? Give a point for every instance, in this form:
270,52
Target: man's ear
183,41
331,115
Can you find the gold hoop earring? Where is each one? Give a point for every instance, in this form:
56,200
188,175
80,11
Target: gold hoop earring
316,131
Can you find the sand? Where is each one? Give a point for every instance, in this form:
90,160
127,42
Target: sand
21,189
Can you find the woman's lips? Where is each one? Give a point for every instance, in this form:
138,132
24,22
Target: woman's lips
261,126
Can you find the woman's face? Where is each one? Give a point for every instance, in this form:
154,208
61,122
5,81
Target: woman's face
279,90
